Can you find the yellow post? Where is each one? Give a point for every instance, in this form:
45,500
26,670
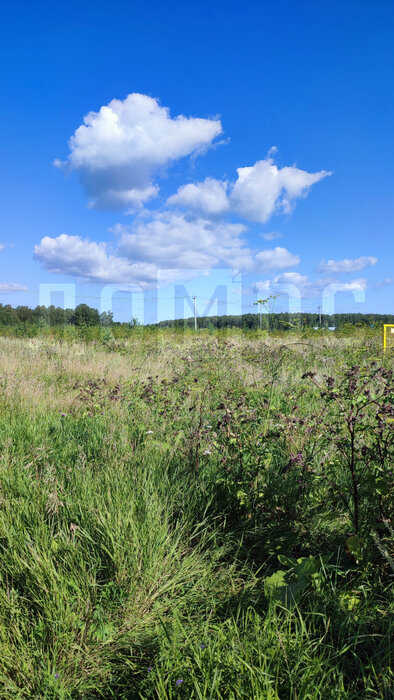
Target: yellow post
386,332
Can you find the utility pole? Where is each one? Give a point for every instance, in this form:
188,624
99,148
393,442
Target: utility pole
319,308
195,313
259,303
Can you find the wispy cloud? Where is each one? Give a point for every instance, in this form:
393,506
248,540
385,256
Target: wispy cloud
271,235
307,288
347,265
9,287
384,283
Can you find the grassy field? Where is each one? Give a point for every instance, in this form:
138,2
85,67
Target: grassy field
196,517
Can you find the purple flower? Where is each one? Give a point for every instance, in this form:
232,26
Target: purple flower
149,669
179,681
202,646
56,676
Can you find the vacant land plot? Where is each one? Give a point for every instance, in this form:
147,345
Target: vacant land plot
196,517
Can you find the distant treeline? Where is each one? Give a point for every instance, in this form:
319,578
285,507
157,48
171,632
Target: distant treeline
84,316
282,321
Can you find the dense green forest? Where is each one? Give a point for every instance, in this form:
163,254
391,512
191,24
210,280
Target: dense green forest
84,315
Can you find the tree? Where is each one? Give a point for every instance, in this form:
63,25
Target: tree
84,315
106,318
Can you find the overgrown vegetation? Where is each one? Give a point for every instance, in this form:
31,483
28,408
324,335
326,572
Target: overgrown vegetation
203,516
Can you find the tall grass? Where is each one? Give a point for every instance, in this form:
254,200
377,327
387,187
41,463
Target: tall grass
176,518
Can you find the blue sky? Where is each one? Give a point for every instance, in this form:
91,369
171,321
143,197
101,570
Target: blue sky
254,137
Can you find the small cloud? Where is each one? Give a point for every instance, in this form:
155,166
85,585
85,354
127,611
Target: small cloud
9,287
259,287
271,236
358,284
384,283
2,246
308,289
347,265
209,196
263,189
275,259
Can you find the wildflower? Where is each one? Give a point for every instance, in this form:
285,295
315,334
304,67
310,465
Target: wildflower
179,681
203,646
149,432
56,676
63,415
207,452
150,669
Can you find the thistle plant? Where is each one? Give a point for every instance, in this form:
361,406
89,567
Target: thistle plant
352,439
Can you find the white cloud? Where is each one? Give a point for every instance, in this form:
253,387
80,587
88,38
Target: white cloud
2,246
261,286
271,236
9,287
314,288
275,259
209,197
88,260
347,265
263,189
300,281
308,289
174,240
118,150
167,240
360,283
158,241
133,199
260,191
291,278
